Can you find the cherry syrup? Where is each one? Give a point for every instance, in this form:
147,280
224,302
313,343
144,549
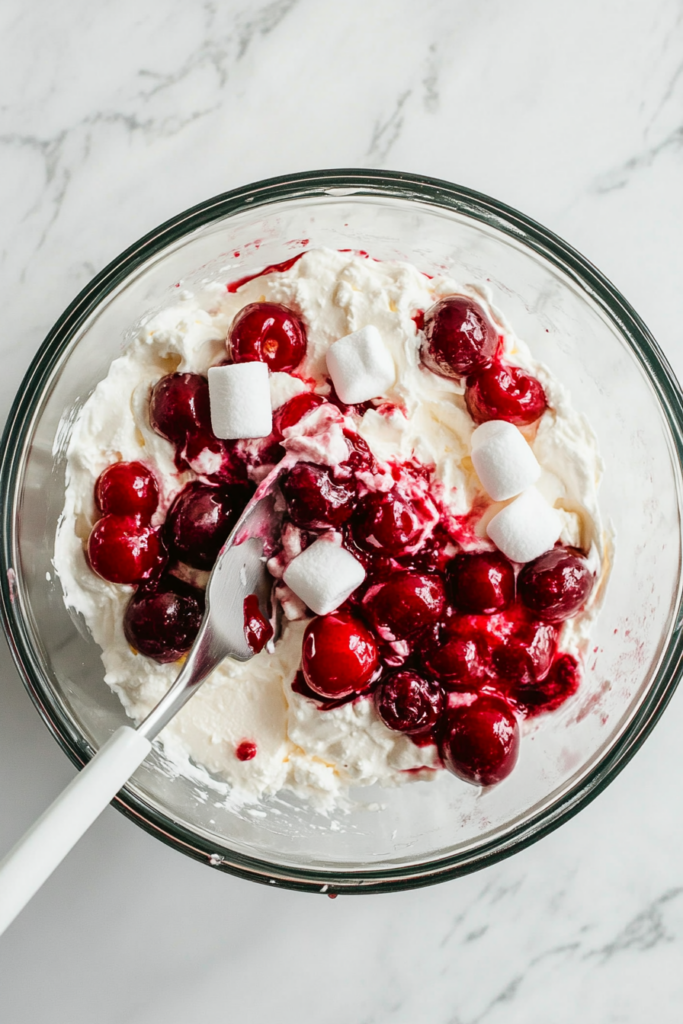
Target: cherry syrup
257,630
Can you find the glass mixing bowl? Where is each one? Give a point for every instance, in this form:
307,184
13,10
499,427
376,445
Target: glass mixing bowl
575,322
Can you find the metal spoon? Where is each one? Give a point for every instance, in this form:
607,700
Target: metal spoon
239,571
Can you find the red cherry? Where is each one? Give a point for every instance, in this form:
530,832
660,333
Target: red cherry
267,332
481,583
200,520
459,337
179,411
556,585
197,443
404,604
270,450
339,655
257,630
459,653
179,405
123,550
386,523
299,685
502,392
558,686
408,702
315,500
246,751
162,621
481,741
289,414
527,654
127,489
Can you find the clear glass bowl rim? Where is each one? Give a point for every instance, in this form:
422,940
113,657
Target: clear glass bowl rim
19,429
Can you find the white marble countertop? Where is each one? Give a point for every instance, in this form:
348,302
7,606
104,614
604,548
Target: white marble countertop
114,117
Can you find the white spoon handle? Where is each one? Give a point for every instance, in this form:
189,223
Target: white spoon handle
47,842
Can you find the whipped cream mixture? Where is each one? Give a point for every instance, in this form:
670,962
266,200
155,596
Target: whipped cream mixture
316,754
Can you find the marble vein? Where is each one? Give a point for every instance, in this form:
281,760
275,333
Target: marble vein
430,82
645,931
387,131
621,176
263,23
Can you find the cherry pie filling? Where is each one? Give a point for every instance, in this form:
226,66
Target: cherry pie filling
454,646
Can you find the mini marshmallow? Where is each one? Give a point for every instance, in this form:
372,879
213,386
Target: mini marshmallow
324,575
239,395
503,460
526,528
361,366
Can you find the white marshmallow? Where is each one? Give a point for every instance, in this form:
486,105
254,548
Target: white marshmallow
284,386
240,401
324,575
526,528
361,366
503,460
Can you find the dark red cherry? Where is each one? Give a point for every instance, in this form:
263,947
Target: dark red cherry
459,653
360,458
526,655
257,630
121,549
408,702
315,500
559,685
179,405
404,604
502,392
162,621
459,337
339,655
556,585
299,685
387,524
289,414
220,461
481,583
267,332
481,740
200,520
246,751
127,489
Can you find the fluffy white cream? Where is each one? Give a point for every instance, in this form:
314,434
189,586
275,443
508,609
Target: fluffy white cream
316,754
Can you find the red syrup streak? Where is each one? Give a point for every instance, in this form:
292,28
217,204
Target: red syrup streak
246,751
257,630
419,319
279,268
274,268
360,252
